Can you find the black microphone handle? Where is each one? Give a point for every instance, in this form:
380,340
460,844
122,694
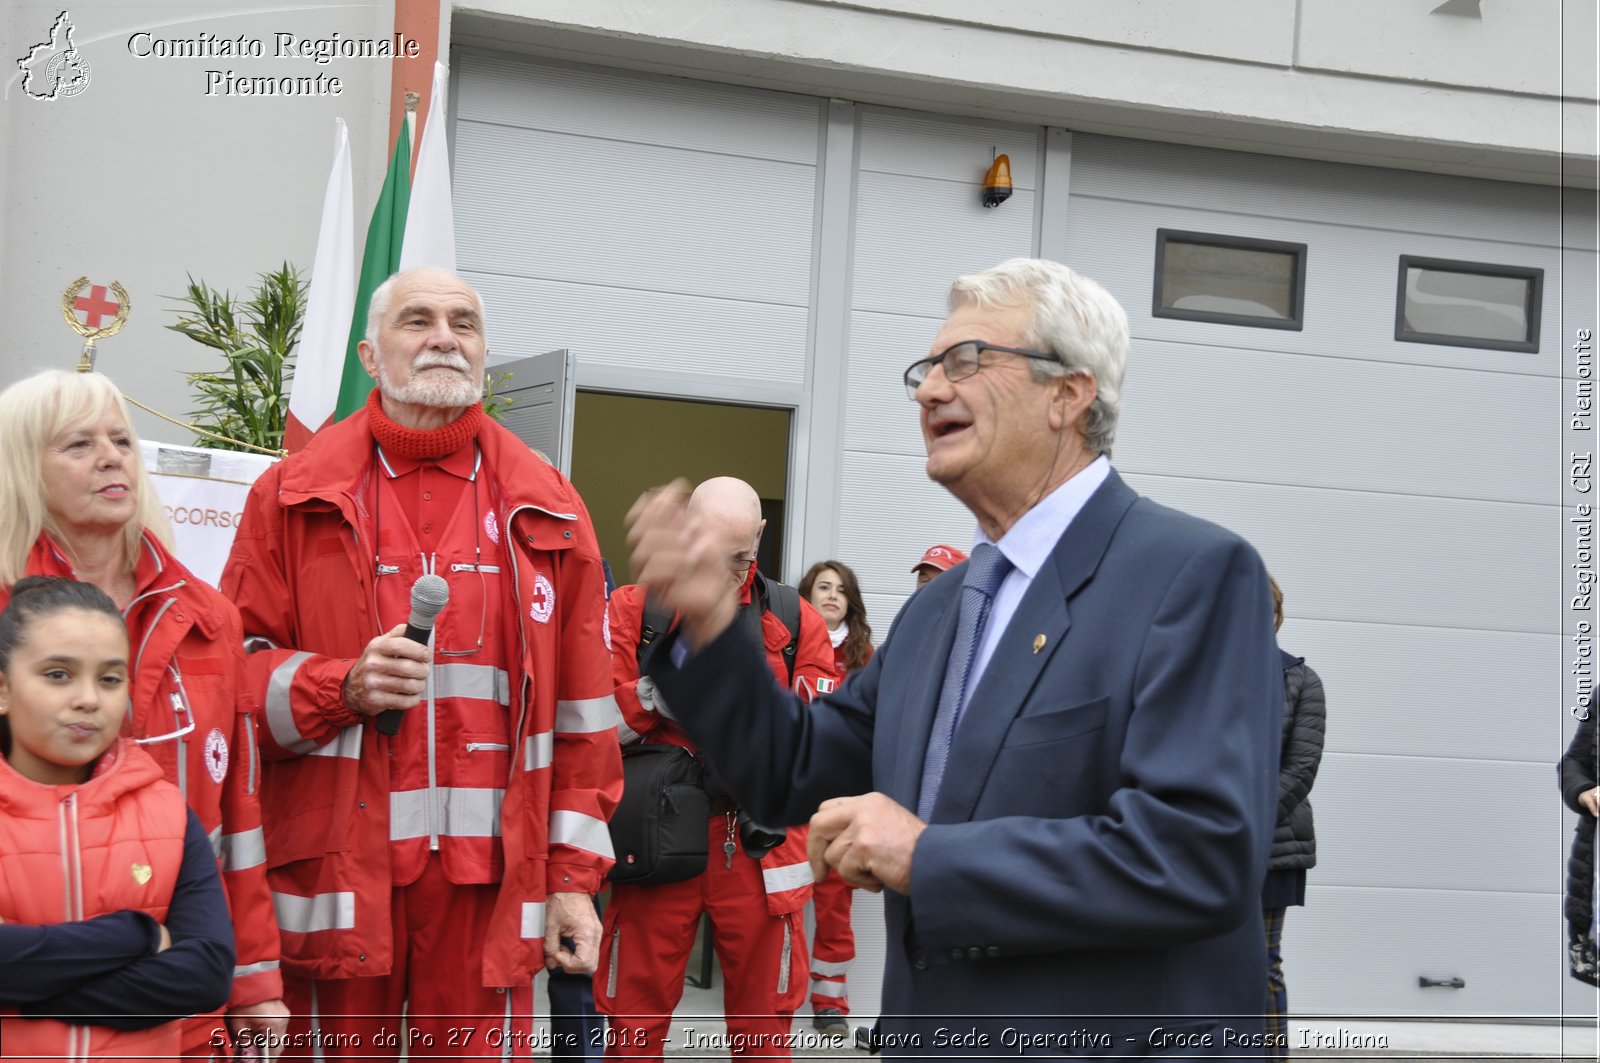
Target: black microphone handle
389,719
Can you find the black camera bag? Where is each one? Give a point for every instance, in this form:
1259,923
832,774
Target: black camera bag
659,829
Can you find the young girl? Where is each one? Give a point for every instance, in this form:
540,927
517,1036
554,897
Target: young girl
112,917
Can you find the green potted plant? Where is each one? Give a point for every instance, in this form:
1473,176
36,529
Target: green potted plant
247,400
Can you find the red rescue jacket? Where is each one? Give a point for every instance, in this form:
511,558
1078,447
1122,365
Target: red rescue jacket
302,574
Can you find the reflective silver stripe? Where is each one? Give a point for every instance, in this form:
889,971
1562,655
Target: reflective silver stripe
471,812
248,848
465,812
255,968
408,814
626,734
537,751
305,915
532,919
826,967
611,968
587,716
787,877
785,959
829,989
586,833
347,743
252,755
280,717
215,838
481,681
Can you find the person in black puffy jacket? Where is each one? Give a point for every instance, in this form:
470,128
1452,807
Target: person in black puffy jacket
1294,841
1580,770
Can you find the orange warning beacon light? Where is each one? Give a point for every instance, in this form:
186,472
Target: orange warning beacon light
997,182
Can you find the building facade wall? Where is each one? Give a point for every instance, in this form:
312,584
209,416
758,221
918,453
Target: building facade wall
1404,493
145,179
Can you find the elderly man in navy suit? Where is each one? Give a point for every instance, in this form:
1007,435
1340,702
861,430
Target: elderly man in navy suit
1061,765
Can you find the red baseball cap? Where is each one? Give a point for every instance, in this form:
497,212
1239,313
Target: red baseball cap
943,558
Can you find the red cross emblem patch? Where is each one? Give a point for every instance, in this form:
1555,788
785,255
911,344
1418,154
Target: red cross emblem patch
542,603
216,755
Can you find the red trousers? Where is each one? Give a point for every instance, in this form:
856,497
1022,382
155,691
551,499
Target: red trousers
833,945
649,933
437,983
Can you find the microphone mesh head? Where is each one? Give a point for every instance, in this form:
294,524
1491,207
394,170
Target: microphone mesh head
428,596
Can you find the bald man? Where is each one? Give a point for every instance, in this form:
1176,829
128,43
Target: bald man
754,899
431,868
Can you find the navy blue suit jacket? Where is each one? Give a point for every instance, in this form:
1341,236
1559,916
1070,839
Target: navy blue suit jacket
1095,857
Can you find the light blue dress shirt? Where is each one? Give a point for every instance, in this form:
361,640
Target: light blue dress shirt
1027,545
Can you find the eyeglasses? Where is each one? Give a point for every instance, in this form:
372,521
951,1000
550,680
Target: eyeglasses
962,360
740,562
182,714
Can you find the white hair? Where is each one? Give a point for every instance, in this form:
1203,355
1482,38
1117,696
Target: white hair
1073,318
383,295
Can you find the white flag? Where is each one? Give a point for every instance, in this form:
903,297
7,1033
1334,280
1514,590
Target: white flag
319,363
430,238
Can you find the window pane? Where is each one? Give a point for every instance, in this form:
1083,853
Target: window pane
1228,280
1470,305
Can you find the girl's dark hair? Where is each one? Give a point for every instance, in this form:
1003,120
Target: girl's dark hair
36,597
858,644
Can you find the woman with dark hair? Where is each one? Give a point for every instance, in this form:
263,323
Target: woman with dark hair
831,587
79,504
1580,789
112,922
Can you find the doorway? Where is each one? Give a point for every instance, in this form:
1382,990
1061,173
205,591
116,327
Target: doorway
625,444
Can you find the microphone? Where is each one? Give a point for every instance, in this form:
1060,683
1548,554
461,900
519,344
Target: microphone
428,597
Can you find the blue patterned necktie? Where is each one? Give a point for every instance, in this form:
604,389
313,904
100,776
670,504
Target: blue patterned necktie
987,567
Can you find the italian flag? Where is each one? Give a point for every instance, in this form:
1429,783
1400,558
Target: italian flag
410,228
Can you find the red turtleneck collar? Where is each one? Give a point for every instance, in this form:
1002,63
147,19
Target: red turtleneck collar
418,445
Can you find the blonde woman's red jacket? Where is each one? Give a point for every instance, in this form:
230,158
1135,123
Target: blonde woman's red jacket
186,641
69,853
302,574
785,872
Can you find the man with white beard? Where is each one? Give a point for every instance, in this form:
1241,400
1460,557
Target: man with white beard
429,870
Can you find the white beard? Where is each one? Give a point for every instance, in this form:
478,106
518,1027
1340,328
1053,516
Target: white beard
445,392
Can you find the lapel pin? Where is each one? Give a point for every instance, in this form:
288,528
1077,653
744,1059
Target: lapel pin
1038,643
142,873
